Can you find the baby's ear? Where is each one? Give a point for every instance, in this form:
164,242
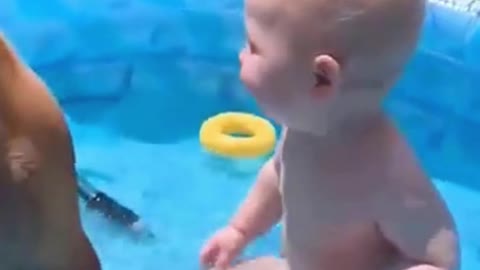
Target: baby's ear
327,75
8,60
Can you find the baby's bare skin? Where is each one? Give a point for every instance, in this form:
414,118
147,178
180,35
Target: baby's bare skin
354,207
39,217
344,183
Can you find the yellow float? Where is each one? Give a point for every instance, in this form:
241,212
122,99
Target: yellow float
236,134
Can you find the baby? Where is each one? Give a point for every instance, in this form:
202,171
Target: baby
344,183
40,225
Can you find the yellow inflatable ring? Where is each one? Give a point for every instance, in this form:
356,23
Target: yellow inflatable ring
217,135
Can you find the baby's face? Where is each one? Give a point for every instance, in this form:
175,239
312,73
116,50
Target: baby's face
278,76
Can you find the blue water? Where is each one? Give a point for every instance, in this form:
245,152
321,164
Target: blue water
137,78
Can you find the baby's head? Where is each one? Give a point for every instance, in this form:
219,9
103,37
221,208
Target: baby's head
309,61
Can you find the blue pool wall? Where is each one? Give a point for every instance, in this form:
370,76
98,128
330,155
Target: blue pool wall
103,50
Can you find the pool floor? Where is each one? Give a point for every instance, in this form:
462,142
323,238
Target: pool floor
182,193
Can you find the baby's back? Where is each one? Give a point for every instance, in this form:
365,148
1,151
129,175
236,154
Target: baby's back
335,196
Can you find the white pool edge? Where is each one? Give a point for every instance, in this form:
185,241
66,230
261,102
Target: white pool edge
469,7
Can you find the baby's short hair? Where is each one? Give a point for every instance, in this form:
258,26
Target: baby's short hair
374,36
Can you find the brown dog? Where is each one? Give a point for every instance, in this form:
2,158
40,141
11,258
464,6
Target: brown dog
39,217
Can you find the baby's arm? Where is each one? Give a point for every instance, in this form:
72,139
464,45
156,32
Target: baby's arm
263,206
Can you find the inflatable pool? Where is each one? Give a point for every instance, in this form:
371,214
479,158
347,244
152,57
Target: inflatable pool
452,30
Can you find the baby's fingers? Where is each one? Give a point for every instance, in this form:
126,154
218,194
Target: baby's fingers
209,255
224,260
206,254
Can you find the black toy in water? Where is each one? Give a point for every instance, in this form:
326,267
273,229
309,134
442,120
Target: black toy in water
110,208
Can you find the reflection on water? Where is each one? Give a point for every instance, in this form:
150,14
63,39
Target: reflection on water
236,169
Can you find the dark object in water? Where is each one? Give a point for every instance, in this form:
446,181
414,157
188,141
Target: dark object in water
110,208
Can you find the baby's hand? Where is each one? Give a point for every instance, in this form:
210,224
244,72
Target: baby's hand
221,249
